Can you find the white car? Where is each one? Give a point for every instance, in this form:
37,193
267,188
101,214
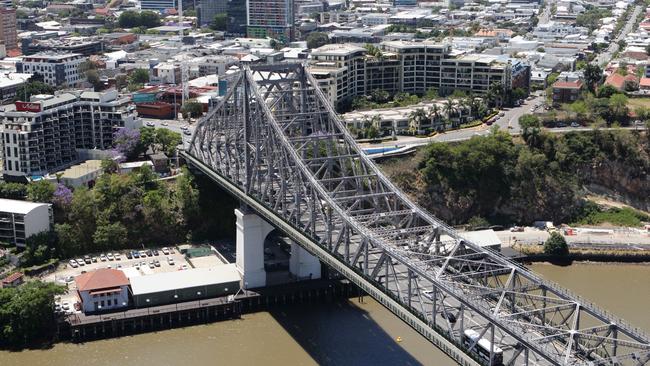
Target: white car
117,256
80,262
110,256
150,124
170,260
165,251
102,257
73,263
165,124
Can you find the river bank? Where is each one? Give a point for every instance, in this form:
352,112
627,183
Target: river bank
339,333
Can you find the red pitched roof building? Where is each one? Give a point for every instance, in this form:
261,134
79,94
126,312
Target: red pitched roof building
13,280
566,91
103,289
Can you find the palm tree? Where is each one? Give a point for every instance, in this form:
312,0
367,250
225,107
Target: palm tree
416,119
434,115
495,94
450,109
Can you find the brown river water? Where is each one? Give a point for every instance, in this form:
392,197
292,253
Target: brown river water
346,333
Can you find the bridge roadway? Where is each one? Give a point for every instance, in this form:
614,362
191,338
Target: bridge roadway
275,143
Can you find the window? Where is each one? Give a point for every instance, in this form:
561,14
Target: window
102,303
96,305
115,302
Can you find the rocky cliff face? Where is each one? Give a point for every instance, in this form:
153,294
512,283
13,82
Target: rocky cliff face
619,182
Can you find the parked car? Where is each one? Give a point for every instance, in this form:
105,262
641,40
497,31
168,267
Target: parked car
149,252
575,124
87,259
117,256
156,263
165,251
150,124
151,265
187,132
517,229
80,262
110,256
73,263
136,254
143,254
129,255
155,252
170,260
102,257
560,124
95,259
165,124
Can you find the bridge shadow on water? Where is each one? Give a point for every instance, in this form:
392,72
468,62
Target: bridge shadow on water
341,333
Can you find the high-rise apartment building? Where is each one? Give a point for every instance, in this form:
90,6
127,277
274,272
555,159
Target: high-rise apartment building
43,135
8,28
270,18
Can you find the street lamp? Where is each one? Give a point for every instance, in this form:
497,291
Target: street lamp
198,293
99,307
176,301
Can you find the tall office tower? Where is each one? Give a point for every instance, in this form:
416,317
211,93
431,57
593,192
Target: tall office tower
8,28
158,5
210,8
271,18
237,17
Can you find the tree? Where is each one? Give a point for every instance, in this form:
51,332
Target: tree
317,39
556,245
109,235
220,22
618,106
149,19
192,109
168,140
593,74
607,91
477,222
92,76
431,94
139,76
110,166
129,19
26,314
379,96
127,142
33,88
417,118
40,191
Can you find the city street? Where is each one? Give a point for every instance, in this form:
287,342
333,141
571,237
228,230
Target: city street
604,57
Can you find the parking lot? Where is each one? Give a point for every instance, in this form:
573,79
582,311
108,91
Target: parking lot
146,265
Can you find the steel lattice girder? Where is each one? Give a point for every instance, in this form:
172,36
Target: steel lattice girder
275,136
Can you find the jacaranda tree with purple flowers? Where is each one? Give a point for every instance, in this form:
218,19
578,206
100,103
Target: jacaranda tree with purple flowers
127,142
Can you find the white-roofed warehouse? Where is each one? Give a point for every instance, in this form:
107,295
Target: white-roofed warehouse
187,285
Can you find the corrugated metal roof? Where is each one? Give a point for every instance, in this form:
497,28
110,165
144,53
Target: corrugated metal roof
196,277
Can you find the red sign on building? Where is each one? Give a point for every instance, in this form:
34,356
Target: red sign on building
28,107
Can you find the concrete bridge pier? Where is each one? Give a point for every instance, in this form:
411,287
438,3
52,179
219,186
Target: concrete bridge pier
251,232
303,264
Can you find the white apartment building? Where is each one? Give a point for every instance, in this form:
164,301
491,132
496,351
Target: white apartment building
21,219
42,135
345,71
55,69
554,30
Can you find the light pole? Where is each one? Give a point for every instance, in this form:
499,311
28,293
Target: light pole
198,293
176,300
99,307
147,300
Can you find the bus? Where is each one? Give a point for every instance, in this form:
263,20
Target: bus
482,348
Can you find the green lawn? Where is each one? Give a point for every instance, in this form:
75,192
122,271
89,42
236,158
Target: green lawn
638,102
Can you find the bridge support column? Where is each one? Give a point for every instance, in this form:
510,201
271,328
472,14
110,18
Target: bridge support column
302,264
251,232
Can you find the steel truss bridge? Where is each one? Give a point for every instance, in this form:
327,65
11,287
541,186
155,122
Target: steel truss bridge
275,142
